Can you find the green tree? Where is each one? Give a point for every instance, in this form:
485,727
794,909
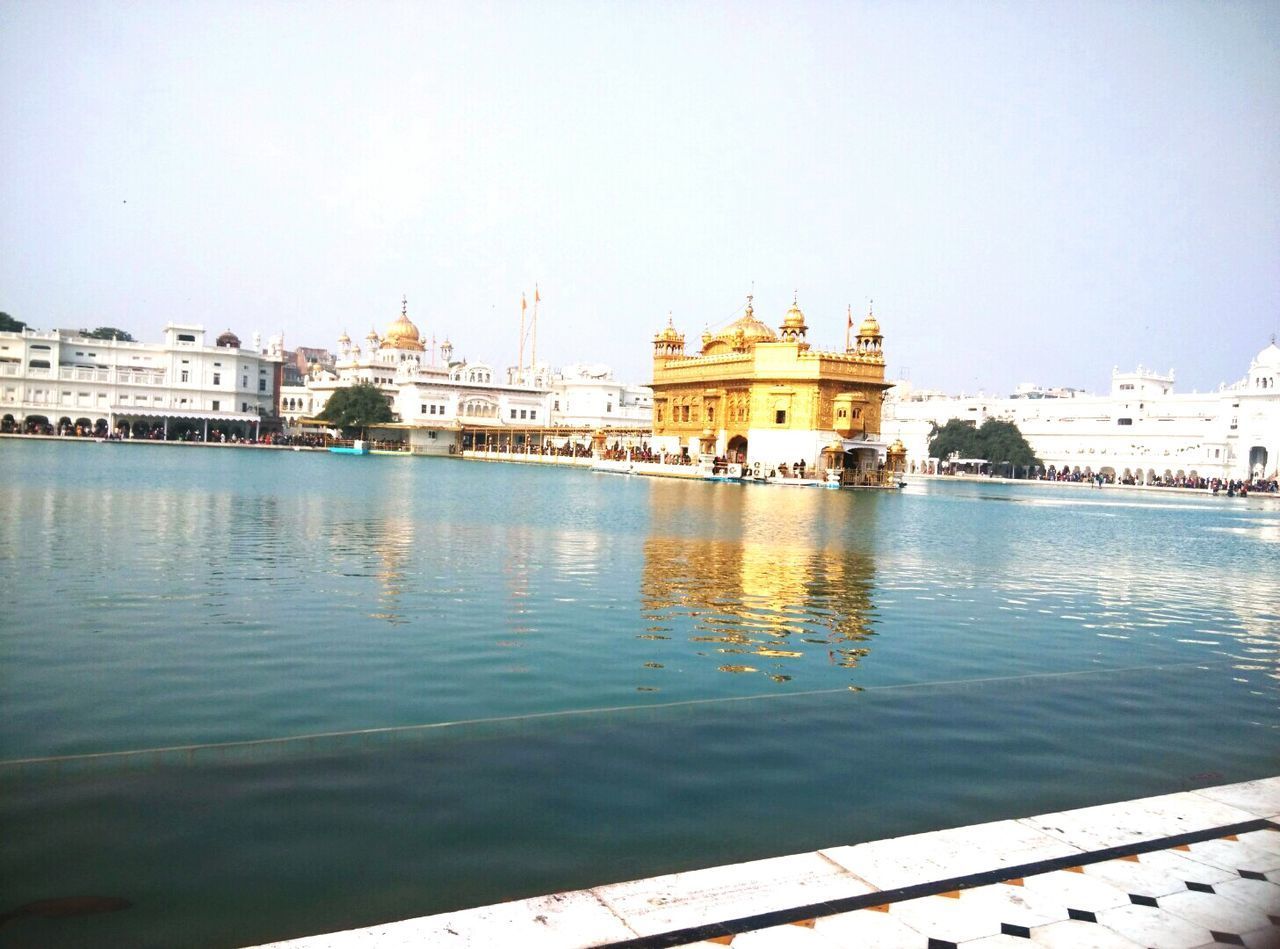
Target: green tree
9,325
1002,442
956,436
997,442
357,407
108,332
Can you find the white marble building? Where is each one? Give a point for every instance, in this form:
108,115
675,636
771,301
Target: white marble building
1142,429
588,396
440,403
68,381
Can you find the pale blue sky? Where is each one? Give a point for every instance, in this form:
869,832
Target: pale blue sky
1030,191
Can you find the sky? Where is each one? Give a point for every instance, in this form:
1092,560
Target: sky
1029,192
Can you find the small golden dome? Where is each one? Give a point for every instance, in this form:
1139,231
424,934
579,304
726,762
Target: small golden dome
669,333
897,448
794,318
870,326
402,334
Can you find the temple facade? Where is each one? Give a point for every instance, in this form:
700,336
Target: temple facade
760,397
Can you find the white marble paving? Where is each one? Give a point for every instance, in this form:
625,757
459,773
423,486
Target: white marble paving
1042,903
943,854
1129,822
1152,926
681,900
1074,934
1078,890
1156,874
1260,798
1234,855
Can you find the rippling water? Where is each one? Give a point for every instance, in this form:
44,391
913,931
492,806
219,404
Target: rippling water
519,679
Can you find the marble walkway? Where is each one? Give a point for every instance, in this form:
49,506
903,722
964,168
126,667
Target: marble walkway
1196,868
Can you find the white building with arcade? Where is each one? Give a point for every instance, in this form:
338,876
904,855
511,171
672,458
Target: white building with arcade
444,404
70,383
1142,431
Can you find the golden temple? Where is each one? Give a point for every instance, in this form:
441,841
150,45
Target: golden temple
756,396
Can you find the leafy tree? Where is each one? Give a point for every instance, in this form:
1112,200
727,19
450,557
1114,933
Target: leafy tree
108,332
1003,442
997,442
956,436
357,407
9,325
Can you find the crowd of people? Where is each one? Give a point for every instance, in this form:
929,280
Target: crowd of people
1231,488
158,434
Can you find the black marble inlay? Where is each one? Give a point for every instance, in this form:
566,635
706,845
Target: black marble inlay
1253,875
1009,929
1230,939
1275,920
1199,887
1082,914
942,944
1143,900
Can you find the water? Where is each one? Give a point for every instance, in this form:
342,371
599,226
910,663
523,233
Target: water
518,680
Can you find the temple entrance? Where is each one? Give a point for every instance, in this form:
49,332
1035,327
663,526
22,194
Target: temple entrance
737,450
1257,461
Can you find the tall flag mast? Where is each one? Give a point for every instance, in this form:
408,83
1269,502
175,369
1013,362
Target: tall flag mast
848,328
533,359
520,370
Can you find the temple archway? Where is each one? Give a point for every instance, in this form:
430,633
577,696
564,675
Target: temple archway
737,449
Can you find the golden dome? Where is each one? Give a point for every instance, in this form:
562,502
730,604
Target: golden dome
751,329
869,327
669,333
402,334
794,318
897,448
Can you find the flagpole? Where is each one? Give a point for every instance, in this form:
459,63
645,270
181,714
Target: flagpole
520,368
533,359
848,327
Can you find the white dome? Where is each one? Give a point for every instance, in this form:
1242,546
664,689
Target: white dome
1269,358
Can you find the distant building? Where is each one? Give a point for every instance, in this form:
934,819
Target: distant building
758,396
1142,431
299,363
66,381
441,404
587,396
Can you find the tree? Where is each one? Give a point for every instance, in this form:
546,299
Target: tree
108,332
997,442
357,407
9,325
956,436
1002,443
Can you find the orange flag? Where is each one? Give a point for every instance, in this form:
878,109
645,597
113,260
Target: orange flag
523,303
537,297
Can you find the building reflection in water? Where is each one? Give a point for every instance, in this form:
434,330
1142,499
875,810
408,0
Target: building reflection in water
785,588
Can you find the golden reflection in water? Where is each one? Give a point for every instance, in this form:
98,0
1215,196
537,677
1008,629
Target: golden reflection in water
783,586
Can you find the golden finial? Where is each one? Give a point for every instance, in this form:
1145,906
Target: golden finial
750,297
404,306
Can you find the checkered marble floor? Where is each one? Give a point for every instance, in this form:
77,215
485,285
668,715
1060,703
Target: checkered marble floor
1221,892
1197,868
